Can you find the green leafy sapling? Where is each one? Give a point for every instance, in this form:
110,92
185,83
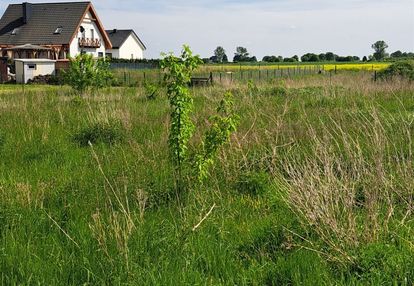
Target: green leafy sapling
177,77
85,72
222,126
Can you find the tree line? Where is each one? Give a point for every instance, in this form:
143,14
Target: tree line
242,55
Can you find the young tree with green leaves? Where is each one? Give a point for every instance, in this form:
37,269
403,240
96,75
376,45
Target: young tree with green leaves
85,72
177,77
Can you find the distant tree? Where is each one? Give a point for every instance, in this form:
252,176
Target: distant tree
380,50
241,55
253,59
289,60
309,57
322,57
225,59
296,58
397,54
219,54
271,59
364,59
330,57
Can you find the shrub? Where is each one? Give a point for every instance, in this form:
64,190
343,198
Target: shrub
100,132
399,69
84,72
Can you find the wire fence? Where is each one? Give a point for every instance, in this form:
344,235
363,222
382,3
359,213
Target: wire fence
139,77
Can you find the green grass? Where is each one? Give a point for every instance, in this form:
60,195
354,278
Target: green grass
71,214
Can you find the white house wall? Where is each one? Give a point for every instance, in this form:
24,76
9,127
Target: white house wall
88,24
130,49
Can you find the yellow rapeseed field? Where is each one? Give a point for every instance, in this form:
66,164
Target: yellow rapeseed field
318,66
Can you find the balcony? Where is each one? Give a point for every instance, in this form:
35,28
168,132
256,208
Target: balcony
89,43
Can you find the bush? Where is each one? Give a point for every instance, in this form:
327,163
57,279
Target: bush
85,72
252,183
100,132
399,69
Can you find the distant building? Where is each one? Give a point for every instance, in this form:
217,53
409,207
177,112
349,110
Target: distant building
125,45
65,28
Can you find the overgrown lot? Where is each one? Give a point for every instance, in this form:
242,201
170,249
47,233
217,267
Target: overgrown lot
315,188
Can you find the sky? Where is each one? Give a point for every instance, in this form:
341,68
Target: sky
264,27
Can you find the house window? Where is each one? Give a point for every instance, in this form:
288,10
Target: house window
58,30
31,66
100,54
92,34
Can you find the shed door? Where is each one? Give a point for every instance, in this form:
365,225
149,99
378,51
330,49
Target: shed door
30,71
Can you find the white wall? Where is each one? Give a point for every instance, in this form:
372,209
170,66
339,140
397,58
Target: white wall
24,74
130,49
88,24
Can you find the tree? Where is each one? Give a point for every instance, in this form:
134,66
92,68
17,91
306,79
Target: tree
220,54
322,57
85,72
241,55
380,48
364,59
397,54
330,57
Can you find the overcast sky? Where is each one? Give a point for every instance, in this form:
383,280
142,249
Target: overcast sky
264,27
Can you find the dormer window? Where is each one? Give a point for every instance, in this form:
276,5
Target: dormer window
58,30
15,31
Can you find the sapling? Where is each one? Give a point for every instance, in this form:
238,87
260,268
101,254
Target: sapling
177,78
222,126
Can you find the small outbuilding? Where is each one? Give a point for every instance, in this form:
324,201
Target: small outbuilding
27,69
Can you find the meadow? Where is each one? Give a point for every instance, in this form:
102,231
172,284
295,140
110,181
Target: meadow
243,72
314,188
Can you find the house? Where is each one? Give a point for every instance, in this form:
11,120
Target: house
125,45
62,29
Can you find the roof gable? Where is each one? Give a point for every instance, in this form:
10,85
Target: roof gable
44,20
118,37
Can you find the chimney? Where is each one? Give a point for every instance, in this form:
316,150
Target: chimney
27,12
114,31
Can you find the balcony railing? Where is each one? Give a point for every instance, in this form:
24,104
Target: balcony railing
89,43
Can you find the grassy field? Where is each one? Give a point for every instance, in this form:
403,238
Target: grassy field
254,72
315,188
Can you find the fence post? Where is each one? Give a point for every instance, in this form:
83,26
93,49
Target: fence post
375,76
211,77
231,77
125,79
336,69
220,77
